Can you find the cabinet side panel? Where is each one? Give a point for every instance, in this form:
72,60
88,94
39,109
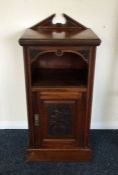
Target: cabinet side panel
28,95
81,119
91,69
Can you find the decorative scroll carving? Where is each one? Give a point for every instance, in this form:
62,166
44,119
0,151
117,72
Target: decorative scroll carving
59,119
33,53
85,53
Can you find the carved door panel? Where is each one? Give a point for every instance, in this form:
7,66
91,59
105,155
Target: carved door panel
61,117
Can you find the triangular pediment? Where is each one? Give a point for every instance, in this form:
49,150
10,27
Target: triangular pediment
48,24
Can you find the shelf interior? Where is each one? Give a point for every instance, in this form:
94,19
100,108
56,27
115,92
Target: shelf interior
59,77
51,69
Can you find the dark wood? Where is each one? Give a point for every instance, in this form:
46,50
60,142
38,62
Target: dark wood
76,154
59,62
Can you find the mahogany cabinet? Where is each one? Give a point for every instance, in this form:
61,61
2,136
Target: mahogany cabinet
59,61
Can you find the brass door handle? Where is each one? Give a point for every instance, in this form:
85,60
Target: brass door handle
36,120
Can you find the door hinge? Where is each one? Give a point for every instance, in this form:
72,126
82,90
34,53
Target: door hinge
36,120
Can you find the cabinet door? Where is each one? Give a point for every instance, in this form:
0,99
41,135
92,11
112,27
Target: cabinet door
61,119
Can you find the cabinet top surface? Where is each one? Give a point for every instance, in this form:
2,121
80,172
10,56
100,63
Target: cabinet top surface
46,32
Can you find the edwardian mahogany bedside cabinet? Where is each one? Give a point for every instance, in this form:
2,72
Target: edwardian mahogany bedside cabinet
59,62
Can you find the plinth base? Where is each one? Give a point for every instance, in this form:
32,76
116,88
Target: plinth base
79,154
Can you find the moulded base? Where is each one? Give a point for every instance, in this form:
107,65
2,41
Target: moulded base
78,154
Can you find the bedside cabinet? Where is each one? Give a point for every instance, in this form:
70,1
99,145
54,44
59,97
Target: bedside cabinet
59,61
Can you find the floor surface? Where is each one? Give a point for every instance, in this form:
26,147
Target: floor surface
104,159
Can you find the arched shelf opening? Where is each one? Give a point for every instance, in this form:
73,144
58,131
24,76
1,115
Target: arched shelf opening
59,68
